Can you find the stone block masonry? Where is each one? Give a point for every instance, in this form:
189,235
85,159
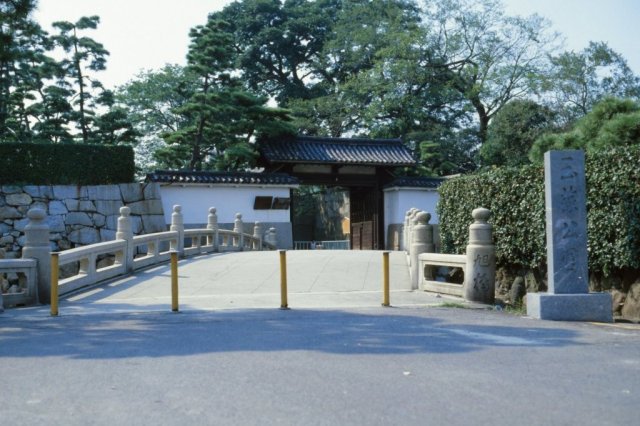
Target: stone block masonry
77,215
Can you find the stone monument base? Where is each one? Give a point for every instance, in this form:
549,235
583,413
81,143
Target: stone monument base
570,307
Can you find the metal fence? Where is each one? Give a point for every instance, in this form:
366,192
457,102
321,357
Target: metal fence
322,245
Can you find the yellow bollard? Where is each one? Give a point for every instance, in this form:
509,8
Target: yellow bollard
385,278
174,281
283,280
55,261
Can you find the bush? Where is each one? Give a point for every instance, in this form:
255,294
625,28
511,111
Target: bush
516,198
65,164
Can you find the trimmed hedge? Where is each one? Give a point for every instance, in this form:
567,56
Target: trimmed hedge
65,164
515,197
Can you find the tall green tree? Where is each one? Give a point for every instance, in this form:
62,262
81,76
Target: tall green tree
490,58
223,119
578,80
84,55
23,68
513,131
611,123
151,101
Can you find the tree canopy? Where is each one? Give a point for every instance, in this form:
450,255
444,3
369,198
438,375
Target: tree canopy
460,81
611,123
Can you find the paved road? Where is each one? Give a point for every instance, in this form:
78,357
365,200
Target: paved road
358,366
353,362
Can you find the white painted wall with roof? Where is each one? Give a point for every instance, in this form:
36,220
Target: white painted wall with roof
196,199
398,199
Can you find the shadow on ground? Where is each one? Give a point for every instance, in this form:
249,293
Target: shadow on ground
338,332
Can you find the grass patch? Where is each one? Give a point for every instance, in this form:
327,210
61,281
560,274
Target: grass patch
453,305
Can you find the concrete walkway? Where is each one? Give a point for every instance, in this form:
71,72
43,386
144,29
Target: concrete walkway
249,280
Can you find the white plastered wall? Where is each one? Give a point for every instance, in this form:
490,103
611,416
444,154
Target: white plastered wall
398,200
228,200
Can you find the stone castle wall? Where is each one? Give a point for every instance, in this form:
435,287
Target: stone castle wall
78,215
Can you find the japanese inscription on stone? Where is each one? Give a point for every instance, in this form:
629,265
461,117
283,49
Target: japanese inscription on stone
566,215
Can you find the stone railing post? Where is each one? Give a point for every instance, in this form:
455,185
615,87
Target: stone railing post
406,231
239,228
480,273
212,224
412,223
37,247
421,242
125,232
257,234
177,224
270,237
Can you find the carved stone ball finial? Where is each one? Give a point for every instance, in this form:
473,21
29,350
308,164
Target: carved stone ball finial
212,210
177,208
36,214
125,211
238,216
422,218
481,215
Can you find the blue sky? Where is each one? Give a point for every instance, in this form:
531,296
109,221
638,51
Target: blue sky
146,34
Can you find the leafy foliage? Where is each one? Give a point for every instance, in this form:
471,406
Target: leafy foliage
222,121
57,164
46,100
612,122
579,80
513,132
515,197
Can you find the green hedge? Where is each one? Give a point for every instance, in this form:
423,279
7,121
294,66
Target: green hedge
516,198
65,164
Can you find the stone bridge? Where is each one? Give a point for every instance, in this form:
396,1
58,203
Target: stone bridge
249,280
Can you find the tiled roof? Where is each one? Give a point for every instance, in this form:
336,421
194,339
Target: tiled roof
306,149
415,182
234,178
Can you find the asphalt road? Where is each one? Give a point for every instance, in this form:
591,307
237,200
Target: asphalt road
352,366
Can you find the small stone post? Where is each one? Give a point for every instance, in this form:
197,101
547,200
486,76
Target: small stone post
239,228
177,224
257,233
37,247
421,242
270,237
480,274
212,224
125,232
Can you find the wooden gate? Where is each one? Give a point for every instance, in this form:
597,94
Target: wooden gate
364,218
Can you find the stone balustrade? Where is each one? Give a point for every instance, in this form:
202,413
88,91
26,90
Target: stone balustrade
477,265
90,271
153,248
24,289
126,254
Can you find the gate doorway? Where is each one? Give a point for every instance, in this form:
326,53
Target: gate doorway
363,166
365,218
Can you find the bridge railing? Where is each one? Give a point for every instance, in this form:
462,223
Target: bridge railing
89,270
153,248
478,264
126,254
23,289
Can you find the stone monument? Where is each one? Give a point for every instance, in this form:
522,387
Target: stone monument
568,297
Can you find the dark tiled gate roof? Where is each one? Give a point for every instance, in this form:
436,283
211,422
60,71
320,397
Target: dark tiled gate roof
415,182
306,149
233,178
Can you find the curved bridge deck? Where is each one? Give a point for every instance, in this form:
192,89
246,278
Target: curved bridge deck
248,280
